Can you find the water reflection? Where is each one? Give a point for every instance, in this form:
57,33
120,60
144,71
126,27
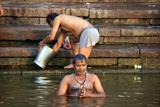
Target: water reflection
77,102
42,80
137,78
43,89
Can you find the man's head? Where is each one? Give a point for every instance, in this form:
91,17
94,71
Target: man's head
50,17
80,63
79,57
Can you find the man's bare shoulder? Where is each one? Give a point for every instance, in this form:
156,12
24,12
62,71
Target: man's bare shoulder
67,77
69,17
92,75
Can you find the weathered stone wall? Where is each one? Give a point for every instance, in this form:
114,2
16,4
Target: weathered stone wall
130,32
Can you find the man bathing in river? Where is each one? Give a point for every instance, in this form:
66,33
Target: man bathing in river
84,35
81,83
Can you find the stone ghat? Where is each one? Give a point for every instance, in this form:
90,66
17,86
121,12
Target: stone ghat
130,32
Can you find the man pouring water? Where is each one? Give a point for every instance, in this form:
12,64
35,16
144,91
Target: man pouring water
84,34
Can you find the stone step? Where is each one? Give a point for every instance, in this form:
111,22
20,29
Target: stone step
13,35
99,13
103,21
100,51
86,1
115,56
90,10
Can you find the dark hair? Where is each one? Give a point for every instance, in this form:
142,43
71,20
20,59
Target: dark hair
79,57
50,17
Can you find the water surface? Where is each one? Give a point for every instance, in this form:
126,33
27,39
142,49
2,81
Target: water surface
39,90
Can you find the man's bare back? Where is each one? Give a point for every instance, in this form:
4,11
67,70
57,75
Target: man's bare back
72,24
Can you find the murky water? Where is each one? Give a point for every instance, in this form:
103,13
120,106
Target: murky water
39,90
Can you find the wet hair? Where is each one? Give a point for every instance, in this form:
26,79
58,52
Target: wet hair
50,17
79,57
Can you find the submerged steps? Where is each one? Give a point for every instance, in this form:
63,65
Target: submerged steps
101,55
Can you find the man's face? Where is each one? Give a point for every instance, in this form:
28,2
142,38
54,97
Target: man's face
50,22
80,66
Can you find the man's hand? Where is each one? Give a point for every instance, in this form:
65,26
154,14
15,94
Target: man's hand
83,93
41,45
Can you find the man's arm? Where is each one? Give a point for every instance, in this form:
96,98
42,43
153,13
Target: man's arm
98,89
60,40
55,26
63,87
53,33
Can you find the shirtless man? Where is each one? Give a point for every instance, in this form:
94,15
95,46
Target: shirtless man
84,34
81,83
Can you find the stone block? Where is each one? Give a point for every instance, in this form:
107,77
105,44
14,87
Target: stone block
109,31
24,32
141,22
120,12
129,62
115,51
99,13
18,51
79,11
60,61
101,40
15,61
140,31
22,21
105,21
7,34
33,35
102,61
150,51
151,63
132,40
